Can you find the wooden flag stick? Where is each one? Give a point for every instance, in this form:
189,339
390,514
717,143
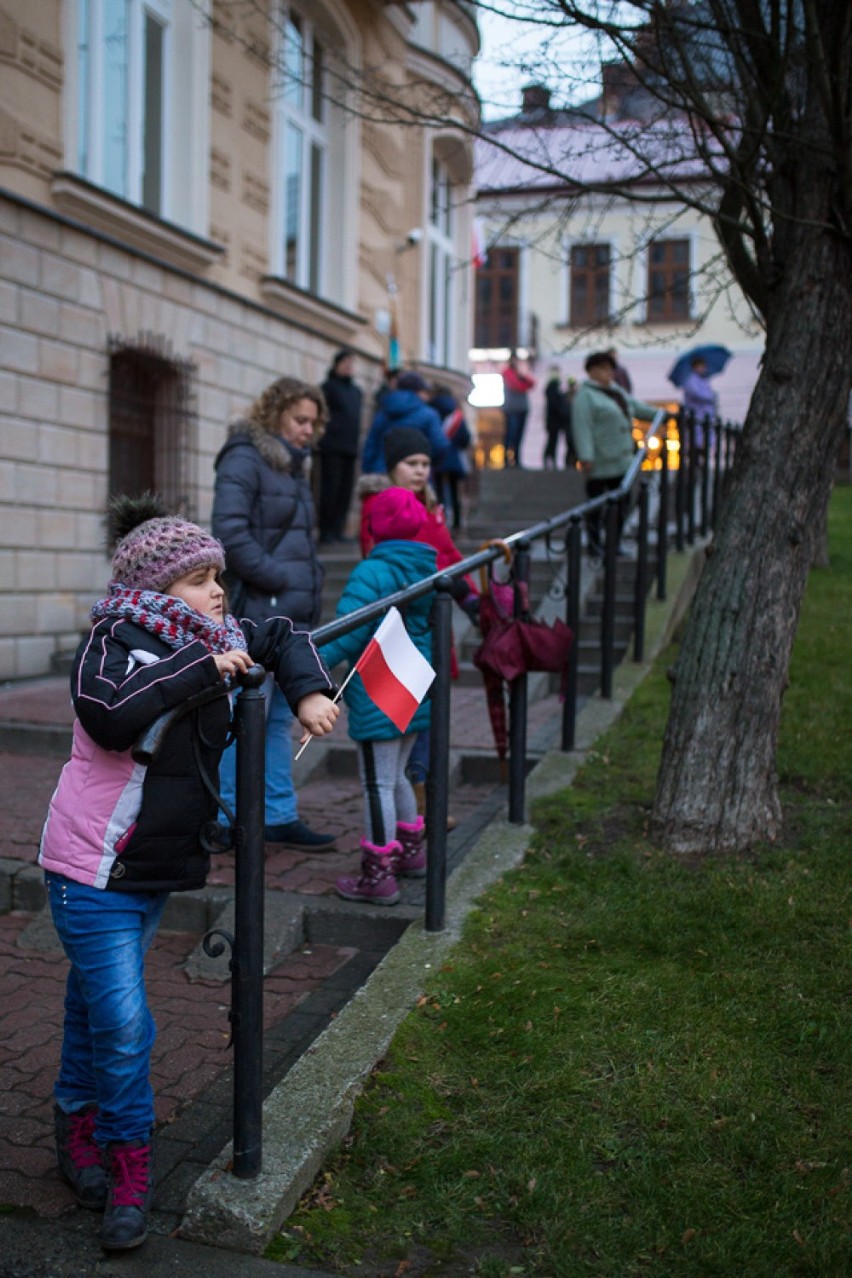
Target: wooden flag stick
303,747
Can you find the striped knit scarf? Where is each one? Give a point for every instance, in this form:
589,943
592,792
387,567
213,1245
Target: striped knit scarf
170,619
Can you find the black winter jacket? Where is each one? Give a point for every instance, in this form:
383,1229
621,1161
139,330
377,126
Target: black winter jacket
343,430
129,827
262,491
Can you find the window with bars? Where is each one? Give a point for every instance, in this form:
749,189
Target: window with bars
497,292
152,423
668,281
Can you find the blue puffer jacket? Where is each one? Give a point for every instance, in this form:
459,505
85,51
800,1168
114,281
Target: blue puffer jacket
262,491
390,566
402,408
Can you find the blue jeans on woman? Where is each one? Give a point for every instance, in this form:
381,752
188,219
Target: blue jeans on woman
281,806
108,1030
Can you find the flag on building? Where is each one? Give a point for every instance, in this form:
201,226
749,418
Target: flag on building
395,673
479,255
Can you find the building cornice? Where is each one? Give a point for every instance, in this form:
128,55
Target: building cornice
338,323
132,225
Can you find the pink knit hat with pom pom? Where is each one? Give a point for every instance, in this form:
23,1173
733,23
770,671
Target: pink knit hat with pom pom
160,550
396,514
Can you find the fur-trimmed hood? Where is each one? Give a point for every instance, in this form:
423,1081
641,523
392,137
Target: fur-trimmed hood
368,485
277,454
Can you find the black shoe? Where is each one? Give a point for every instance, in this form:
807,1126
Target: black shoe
80,1160
295,834
125,1223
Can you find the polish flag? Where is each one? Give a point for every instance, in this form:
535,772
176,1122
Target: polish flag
396,675
479,256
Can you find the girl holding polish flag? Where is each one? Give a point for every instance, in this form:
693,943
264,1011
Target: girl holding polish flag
389,676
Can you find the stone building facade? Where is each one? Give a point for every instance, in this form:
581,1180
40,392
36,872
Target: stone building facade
196,198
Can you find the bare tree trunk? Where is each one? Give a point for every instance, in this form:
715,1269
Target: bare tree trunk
716,789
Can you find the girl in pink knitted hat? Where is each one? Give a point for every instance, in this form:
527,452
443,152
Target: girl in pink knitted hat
120,835
394,845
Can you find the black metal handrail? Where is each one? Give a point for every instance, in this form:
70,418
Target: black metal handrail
246,830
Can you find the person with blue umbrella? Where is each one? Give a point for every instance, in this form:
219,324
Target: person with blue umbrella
692,373
699,397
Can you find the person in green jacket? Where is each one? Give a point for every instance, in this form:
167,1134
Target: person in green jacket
395,843
602,425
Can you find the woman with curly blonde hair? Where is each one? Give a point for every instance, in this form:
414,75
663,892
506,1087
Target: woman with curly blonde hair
263,514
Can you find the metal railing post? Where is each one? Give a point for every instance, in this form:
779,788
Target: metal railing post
690,480
518,703
663,520
680,481
437,783
718,439
608,610
247,955
573,568
705,478
640,597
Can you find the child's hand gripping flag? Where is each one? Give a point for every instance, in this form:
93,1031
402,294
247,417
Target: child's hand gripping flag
395,673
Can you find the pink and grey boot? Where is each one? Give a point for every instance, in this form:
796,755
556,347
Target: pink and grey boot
376,882
411,836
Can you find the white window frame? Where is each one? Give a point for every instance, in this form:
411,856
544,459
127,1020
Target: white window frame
441,254
131,188
314,133
184,182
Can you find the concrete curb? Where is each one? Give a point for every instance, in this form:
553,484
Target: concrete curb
310,1111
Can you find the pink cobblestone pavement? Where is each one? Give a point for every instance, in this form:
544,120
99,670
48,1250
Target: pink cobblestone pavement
191,1049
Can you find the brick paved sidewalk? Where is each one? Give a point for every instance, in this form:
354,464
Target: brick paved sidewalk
191,1062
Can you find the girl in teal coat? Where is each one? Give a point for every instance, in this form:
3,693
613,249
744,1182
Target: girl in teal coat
395,844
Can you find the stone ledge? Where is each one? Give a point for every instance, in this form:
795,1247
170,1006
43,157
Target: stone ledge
106,212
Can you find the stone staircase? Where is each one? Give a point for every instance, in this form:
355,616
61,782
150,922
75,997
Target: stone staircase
506,502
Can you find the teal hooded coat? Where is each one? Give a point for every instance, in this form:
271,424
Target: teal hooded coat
390,566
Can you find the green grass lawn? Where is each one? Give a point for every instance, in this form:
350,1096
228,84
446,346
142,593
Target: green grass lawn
632,1065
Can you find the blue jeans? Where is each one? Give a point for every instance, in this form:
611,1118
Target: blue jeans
108,1030
417,768
281,807
515,424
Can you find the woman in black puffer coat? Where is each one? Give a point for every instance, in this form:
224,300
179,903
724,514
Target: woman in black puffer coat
263,514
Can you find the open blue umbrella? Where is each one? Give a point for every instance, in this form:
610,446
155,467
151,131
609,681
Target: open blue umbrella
715,357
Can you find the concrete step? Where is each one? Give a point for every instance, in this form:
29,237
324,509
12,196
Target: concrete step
526,495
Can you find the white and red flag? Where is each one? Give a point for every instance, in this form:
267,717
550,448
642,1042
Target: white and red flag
395,673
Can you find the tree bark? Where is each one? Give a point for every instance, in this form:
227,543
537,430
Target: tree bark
717,786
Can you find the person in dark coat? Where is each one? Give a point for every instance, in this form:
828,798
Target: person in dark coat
404,406
455,464
338,448
263,514
557,421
